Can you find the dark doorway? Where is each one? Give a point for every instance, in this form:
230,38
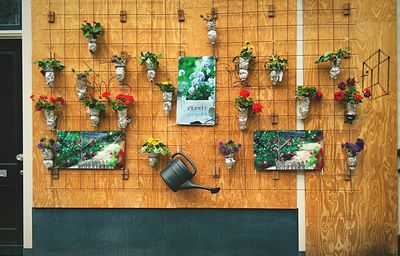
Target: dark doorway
11,146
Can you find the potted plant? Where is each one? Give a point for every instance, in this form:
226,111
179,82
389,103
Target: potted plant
335,58
228,150
48,67
92,32
211,21
349,94
81,82
303,99
276,66
245,58
168,90
49,107
151,61
120,104
120,62
48,147
154,147
243,103
352,151
95,107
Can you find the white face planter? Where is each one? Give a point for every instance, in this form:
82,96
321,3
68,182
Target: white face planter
94,115
120,73
123,119
167,105
335,70
276,76
82,86
243,74
48,155
229,161
51,119
151,71
153,159
92,45
212,32
243,115
302,107
50,77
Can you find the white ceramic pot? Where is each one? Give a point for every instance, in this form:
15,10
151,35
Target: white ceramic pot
335,70
51,118
153,159
151,71
302,107
243,115
94,115
50,77
48,156
92,45
229,161
123,119
167,105
82,87
120,73
351,112
212,32
276,76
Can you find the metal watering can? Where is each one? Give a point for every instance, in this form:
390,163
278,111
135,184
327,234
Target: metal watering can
178,176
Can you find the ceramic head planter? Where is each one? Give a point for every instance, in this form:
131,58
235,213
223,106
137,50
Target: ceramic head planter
349,95
168,90
352,151
304,94
244,59
150,60
276,66
48,67
94,108
228,150
92,32
120,63
154,147
49,106
211,21
120,104
243,103
81,82
48,148
335,58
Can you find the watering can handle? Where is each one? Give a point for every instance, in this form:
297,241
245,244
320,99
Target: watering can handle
187,158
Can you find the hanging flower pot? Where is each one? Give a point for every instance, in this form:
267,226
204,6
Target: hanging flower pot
47,147
123,119
48,67
91,32
153,159
352,162
81,82
352,151
120,105
349,95
49,107
95,107
151,61
302,107
154,147
168,90
276,66
228,150
243,103
51,119
211,21
245,57
120,63
335,58
243,115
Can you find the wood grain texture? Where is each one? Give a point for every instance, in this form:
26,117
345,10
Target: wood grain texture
153,25
357,217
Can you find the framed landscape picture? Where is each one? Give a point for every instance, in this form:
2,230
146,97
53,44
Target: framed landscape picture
196,91
90,150
288,150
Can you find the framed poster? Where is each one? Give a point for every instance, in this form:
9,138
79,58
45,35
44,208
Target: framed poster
196,91
288,150
90,150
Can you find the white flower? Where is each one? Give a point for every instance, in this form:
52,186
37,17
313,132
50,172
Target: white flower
192,76
200,75
181,72
206,63
191,90
195,81
211,81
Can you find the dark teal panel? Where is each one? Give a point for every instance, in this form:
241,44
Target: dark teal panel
164,232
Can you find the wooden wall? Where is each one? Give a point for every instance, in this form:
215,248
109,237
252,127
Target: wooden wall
153,25
357,217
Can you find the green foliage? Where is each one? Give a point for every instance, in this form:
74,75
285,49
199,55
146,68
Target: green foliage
46,64
306,91
150,58
93,102
154,145
91,31
242,102
246,53
333,56
166,86
276,62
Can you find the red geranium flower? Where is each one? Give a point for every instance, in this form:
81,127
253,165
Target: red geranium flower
358,96
32,97
367,92
53,100
342,85
244,93
319,94
257,107
339,96
106,94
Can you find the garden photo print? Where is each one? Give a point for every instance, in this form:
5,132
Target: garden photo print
196,91
288,150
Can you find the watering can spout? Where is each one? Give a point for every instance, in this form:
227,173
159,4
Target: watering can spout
189,185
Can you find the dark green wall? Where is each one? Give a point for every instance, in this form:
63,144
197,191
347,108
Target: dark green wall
164,232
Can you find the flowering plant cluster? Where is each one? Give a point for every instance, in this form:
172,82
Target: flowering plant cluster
93,102
91,31
228,148
48,144
154,145
348,92
120,102
354,149
245,101
308,91
276,62
200,87
46,103
246,53
367,92
166,86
